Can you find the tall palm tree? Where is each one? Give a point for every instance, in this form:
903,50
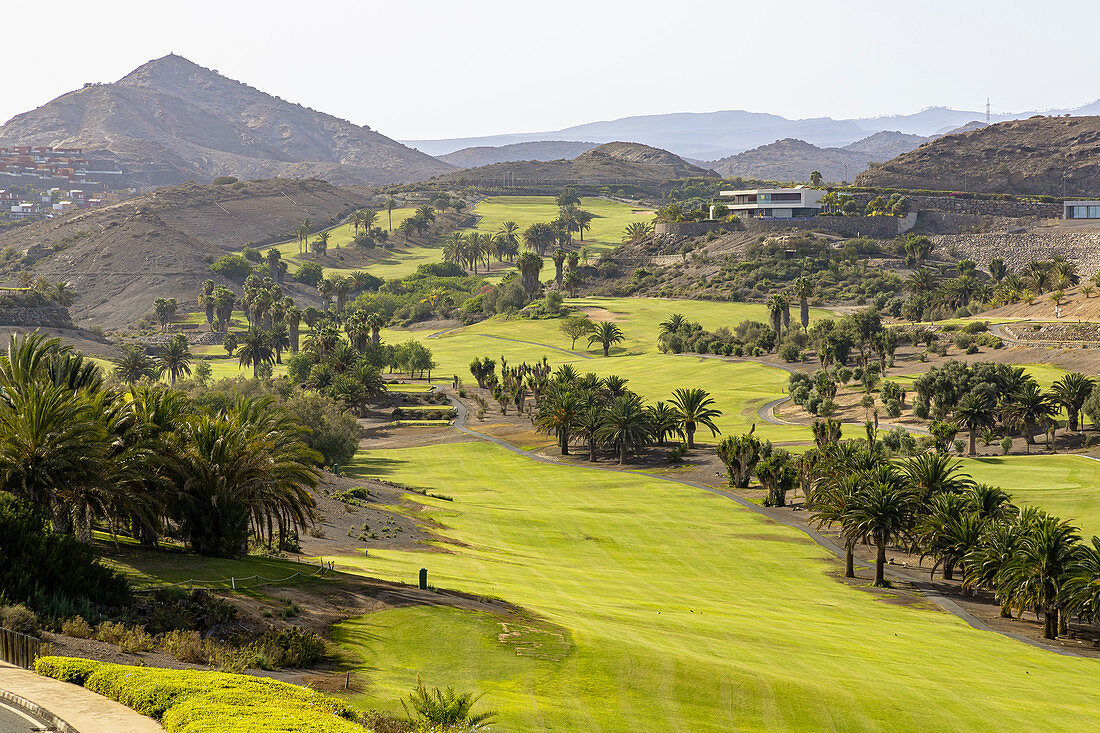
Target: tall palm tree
255,349
803,288
1081,588
530,265
584,221
776,305
538,236
558,411
626,425
558,257
391,204
932,473
406,227
883,511
830,501
975,411
568,197
1070,392
665,420
985,564
694,407
175,359
606,334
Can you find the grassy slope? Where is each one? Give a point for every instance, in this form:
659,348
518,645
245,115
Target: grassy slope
687,613
739,388
1067,486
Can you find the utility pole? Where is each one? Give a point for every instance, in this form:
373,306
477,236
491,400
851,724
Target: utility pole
987,110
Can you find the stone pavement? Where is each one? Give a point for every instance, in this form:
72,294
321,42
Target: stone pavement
83,710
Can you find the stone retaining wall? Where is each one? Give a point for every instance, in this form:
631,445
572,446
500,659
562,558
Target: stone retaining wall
1017,250
44,317
878,227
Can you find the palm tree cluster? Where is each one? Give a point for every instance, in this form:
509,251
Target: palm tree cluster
146,460
348,370
1029,559
421,220
38,291
600,413
985,395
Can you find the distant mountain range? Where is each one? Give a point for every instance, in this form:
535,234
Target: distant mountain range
716,135
171,120
615,162
541,150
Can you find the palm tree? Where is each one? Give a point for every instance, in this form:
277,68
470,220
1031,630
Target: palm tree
921,281
134,364
882,511
406,227
584,221
606,334
1071,391
1034,576
64,294
636,231
558,257
985,563
776,305
558,411
279,337
255,350
626,425
665,421
538,236
929,474
830,501
568,197
391,204
694,408
1027,407
672,324
803,288
975,411
320,244
530,265
175,358
1081,589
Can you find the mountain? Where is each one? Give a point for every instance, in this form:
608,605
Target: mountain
540,150
171,120
713,135
121,257
794,160
887,144
1040,155
615,162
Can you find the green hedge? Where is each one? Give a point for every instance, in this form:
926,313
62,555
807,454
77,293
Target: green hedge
195,701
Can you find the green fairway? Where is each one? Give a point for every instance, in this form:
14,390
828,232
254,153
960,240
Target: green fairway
739,387
1065,485
679,610
612,217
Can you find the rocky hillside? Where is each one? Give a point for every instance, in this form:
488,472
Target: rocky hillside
794,160
120,258
171,120
616,162
541,150
1033,156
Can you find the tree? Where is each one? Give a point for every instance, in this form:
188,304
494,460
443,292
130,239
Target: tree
830,500
606,334
625,425
530,265
175,358
229,343
1070,392
883,511
406,227
740,454
538,236
636,231
694,407
558,257
507,239
574,327
975,411
391,204
778,474
558,412
255,350
776,306
165,311
803,289
568,197
134,365
1041,564
1028,407
815,178
583,221
320,243
997,269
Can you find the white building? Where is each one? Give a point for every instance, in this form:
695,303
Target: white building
1081,210
775,203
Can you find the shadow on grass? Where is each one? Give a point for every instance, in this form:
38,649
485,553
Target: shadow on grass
371,466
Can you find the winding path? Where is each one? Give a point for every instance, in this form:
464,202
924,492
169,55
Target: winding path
926,589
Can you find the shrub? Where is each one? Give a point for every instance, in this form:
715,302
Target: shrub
309,273
126,638
893,408
224,180
19,618
960,446
920,409
788,352
1006,445
77,628
289,647
194,701
252,255
233,267
335,432
976,327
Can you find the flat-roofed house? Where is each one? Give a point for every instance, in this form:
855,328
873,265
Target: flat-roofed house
774,203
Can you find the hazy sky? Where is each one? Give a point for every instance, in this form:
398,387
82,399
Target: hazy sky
449,69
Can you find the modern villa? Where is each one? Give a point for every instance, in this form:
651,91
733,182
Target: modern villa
1081,210
776,203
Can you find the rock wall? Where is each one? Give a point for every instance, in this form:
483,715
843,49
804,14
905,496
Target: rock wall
1082,248
878,227
44,317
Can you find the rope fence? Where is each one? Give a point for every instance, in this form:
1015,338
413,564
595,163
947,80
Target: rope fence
246,582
